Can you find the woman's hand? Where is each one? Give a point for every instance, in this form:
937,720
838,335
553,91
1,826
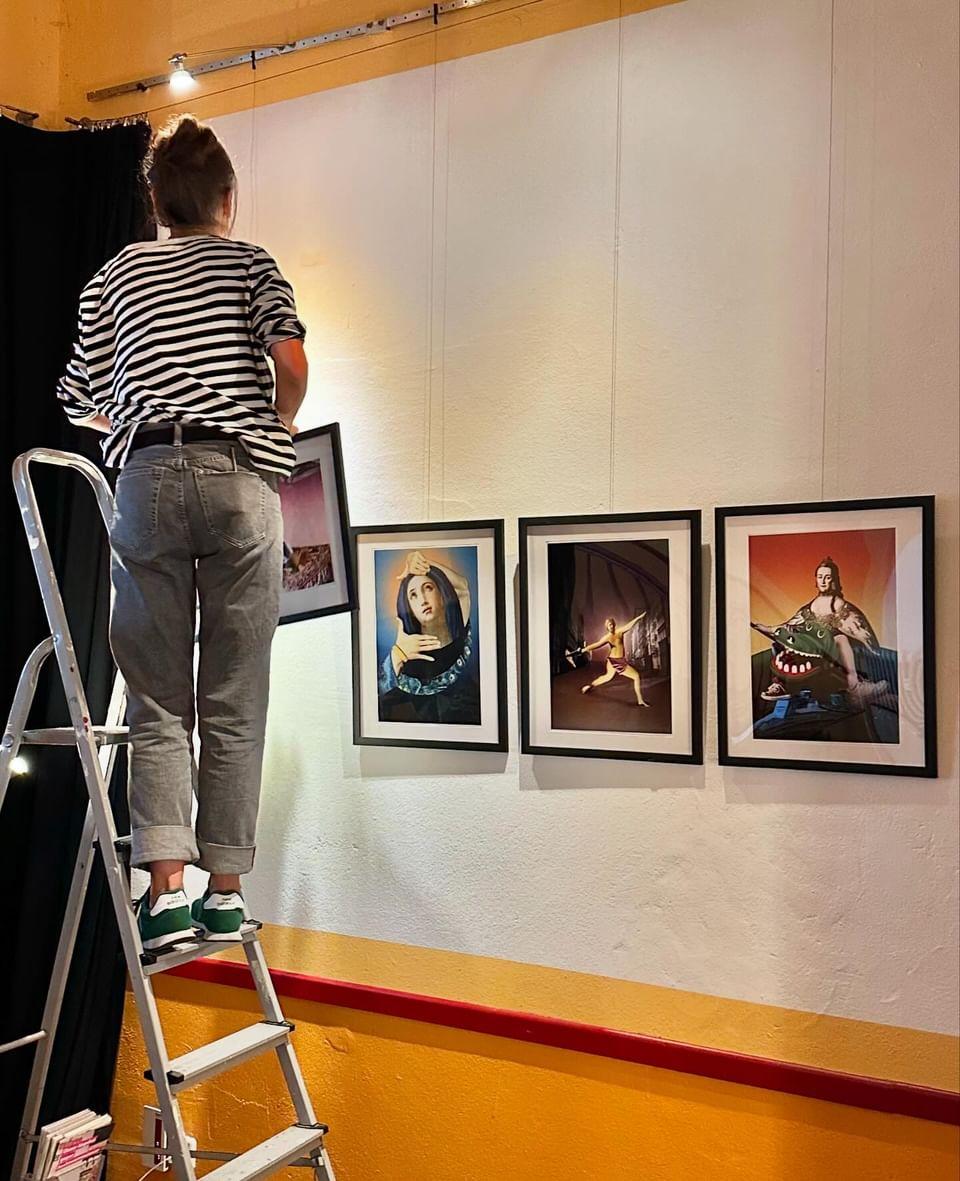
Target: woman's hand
416,565
412,647
288,423
97,422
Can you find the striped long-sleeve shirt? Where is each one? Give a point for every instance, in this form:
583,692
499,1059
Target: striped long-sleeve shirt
178,331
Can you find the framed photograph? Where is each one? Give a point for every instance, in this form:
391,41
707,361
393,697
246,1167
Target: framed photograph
429,664
610,636
825,636
317,574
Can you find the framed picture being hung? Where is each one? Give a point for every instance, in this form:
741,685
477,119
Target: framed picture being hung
610,636
429,663
825,636
317,574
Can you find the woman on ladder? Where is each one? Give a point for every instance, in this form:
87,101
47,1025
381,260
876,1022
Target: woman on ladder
171,363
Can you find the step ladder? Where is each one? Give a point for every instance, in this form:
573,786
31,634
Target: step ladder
302,1143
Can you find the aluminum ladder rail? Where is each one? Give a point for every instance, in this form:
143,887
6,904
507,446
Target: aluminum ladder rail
300,1144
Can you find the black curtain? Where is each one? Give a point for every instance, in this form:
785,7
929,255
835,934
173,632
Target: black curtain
68,202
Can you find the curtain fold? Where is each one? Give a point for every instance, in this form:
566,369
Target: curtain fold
68,202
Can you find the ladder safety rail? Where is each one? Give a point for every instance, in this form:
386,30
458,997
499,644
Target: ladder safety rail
299,1144
19,711
27,497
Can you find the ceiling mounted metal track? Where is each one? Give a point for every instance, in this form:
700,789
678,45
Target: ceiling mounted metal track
250,57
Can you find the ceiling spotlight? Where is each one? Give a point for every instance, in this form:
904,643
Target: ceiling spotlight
19,765
181,80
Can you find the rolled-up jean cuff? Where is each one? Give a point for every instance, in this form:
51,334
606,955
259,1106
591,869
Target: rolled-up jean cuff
225,858
162,842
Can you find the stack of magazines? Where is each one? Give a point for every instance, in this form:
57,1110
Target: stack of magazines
73,1149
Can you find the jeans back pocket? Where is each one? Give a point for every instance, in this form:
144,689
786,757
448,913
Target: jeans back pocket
137,516
232,503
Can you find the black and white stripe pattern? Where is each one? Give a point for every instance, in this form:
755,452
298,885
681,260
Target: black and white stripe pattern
178,331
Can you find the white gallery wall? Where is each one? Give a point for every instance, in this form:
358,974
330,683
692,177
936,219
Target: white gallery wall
702,255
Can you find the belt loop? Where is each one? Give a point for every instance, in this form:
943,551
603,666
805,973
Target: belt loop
233,456
177,435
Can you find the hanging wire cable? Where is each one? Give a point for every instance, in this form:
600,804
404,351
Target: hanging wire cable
153,1168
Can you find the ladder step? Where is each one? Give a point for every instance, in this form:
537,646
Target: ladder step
264,1159
23,1041
224,1053
152,962
67,736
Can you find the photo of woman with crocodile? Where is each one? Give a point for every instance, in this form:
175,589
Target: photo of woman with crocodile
825,665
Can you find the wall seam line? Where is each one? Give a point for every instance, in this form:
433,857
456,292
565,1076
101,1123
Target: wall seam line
616,263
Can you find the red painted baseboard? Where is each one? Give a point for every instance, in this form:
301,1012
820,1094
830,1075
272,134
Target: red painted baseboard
790,1078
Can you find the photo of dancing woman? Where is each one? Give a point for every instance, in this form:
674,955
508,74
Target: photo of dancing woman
610,597
617,663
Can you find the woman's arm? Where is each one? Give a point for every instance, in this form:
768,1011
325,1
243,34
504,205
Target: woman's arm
461,588
290,364
97,422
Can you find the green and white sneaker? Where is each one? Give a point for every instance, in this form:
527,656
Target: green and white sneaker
219,916
166,922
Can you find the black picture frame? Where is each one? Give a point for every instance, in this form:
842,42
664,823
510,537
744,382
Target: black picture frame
349,601
433,530
926,506
693,518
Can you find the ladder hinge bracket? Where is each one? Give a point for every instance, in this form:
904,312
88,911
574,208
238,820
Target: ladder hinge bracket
174,1077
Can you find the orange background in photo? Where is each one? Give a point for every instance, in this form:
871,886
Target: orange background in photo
783,568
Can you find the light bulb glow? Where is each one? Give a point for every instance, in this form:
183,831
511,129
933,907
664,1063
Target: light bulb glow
19,765
181,80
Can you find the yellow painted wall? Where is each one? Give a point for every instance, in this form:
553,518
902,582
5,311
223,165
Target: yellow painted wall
766,1031
30,41
411,1102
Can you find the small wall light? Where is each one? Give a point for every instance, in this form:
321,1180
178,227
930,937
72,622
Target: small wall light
181,80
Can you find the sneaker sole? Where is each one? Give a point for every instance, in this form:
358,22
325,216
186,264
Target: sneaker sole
185,936
209,936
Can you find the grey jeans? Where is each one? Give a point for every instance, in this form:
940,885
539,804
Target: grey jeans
195,520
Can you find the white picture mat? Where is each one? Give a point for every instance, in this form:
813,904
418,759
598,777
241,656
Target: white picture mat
484,611
328,594
542,733
908,526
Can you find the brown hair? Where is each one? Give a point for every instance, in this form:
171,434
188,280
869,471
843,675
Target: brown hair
189,173
829,564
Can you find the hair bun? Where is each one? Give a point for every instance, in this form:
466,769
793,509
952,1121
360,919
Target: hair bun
182,141
188,172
